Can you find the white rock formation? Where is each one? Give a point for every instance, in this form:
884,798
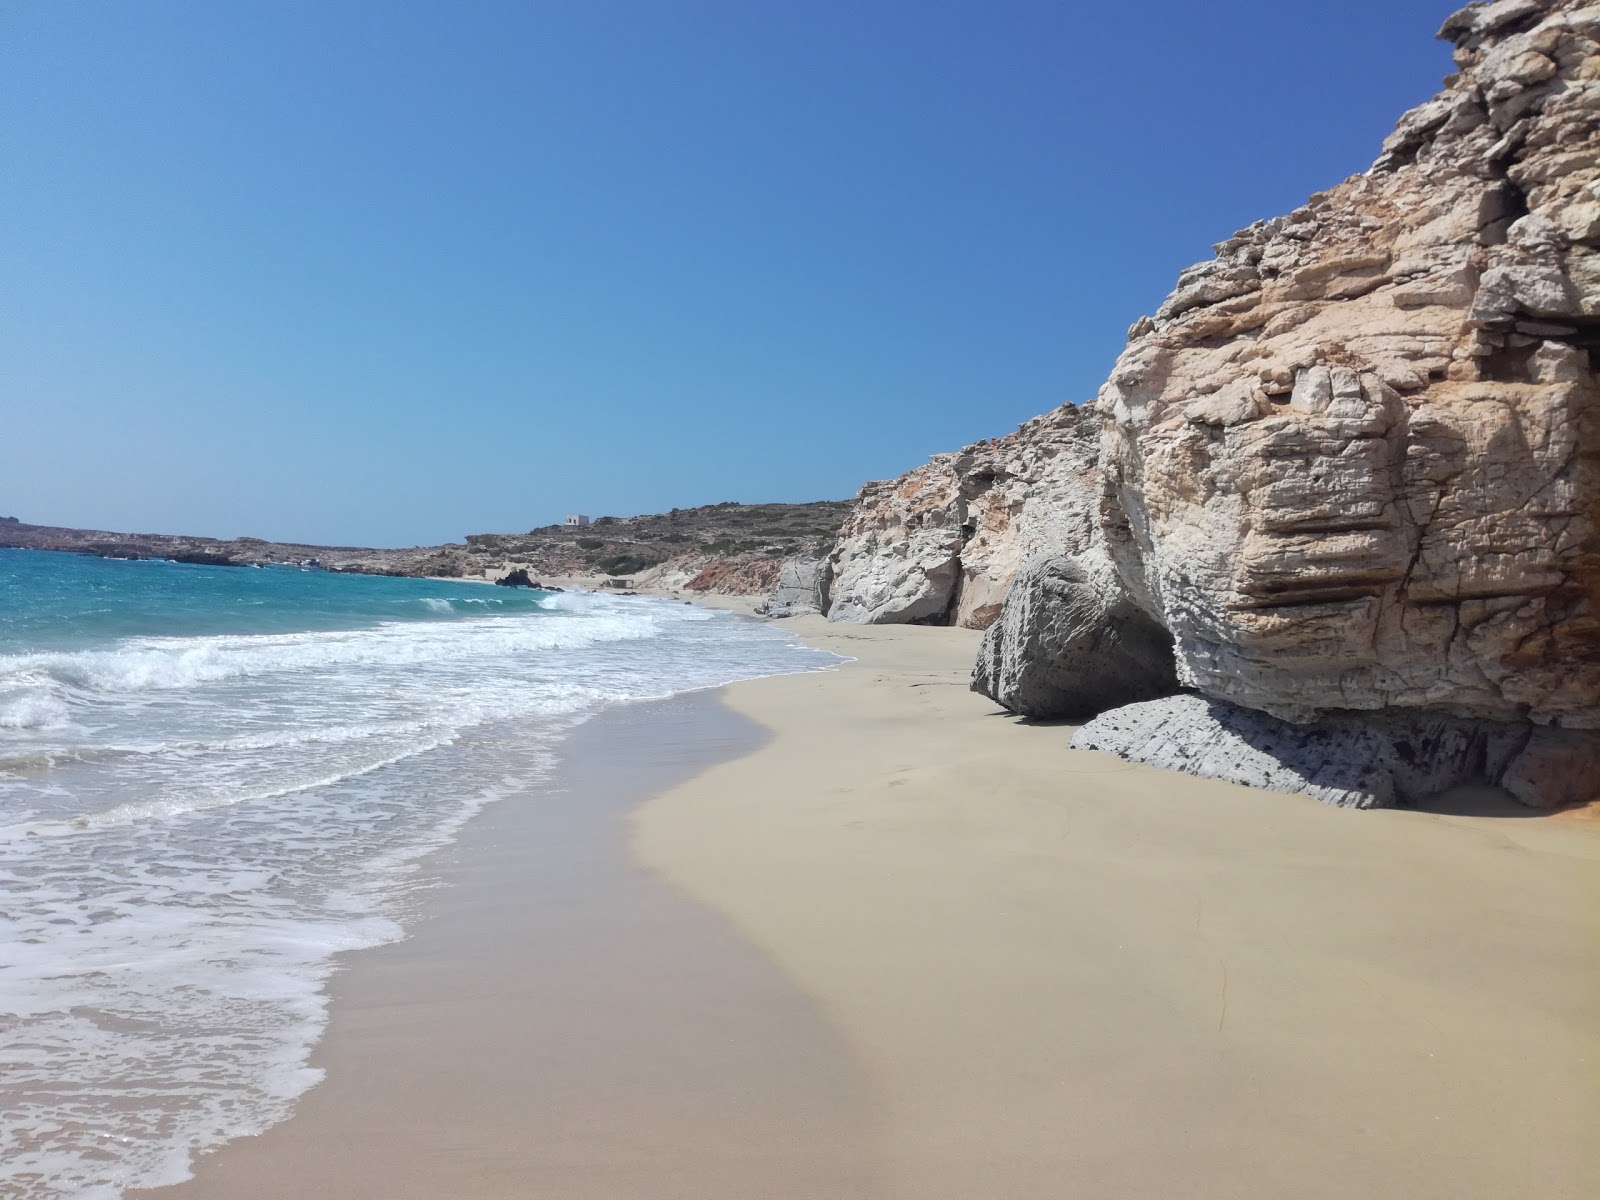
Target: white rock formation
1351,462
803,588
1351,465
941,545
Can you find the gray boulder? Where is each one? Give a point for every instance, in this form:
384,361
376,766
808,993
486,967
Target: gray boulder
1354,760
1069,642
802,588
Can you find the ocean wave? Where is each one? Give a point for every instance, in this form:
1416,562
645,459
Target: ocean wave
42,758
258,769
34,708
175,805
159,664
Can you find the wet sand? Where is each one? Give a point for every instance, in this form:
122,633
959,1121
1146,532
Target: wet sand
561,1024
1073,977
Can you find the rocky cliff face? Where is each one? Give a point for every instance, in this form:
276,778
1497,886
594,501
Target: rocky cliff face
1350,462
803,588
942,544
1349,466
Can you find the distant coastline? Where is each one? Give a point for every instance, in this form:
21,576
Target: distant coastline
725,548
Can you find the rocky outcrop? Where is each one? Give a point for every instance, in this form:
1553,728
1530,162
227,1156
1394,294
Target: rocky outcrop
1070,643
1351,466
1351,462
516,577
942,544
738,575
728,548
1352,760
802,588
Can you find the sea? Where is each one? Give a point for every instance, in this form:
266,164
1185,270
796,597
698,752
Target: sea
213,780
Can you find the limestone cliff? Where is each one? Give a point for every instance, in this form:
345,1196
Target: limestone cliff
942,544
1350,462
1349,466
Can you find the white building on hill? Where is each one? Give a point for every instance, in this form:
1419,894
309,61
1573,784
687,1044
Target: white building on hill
577,521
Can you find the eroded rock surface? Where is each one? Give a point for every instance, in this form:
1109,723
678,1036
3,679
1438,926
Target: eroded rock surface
1351,462
1351,465
802,588
1351,760
942,544
1069,642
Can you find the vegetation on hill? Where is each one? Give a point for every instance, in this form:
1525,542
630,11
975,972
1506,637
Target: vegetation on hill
692,537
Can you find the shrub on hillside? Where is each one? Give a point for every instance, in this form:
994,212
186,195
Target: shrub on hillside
625,564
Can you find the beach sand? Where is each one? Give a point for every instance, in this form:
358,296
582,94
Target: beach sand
906,947
560,1024
1073,977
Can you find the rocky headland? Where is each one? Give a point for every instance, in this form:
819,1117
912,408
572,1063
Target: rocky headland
720,549
734,549
229,552
1330,524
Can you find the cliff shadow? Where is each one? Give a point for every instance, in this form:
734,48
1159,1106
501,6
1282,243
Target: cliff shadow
1475,800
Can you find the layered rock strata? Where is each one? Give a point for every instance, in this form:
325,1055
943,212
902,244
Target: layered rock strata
942,544
1351,462
1351,466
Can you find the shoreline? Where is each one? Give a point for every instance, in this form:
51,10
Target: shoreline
557,1021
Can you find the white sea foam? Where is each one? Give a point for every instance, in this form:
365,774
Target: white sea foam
32,706
147,664
190,829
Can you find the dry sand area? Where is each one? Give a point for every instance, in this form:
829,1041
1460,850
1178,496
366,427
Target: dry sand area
1070,977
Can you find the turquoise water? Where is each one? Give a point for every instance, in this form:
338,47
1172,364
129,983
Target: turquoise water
53,601
214,779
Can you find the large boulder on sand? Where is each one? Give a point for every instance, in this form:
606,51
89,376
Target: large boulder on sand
1069,642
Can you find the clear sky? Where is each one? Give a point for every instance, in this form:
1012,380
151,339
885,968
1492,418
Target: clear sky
389,273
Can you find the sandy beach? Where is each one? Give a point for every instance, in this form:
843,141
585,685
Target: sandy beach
874,938
1068,976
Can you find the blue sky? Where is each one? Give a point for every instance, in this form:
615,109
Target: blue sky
388,273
